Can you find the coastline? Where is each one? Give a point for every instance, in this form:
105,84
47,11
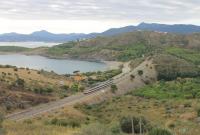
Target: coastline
109,64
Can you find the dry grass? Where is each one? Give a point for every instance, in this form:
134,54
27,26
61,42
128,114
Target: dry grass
36,128
32,75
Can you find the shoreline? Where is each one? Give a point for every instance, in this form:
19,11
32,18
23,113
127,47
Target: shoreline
110,65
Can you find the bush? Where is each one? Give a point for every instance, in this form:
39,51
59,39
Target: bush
158,131
132,76
75,87
20,82
81,88
43,90
65,122
198,112
113,88
140,72
65,87
126,124
1,121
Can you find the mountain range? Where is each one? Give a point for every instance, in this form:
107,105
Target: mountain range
45,36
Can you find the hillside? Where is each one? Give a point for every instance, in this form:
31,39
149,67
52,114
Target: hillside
163,91
124,47
171,105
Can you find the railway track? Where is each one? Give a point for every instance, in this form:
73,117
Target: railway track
52,106
31,112
99,87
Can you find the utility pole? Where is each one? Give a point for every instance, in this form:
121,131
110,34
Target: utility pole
133,130
140,126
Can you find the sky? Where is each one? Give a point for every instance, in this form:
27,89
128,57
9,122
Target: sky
86,16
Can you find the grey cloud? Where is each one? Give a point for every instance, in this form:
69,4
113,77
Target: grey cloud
143,10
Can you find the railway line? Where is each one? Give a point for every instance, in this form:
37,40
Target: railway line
52,106
32,112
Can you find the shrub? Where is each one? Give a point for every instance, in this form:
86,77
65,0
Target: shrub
65,87
82,88
15,69
140,72
75,87
1,121
43,90
113,88
132,76
20,82
126,124
158,131
198,112
65,122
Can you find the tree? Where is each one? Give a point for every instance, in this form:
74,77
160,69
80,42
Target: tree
140,124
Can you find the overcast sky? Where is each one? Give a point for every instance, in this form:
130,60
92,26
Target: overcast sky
68,16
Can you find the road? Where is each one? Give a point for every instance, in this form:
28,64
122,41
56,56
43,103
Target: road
78,98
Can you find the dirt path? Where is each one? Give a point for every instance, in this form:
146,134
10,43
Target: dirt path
123,82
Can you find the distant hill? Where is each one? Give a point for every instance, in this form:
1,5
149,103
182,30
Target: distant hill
177,28
45,36
129,46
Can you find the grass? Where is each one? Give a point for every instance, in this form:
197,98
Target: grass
66,121
36,128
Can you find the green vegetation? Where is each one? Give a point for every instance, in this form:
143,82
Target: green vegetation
198,112
187,54
113,88
140,72
134,124
109,48
132,51
13,49
178,89
61,49
170,67
75,87
74,123
95,77
43,90
1,121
